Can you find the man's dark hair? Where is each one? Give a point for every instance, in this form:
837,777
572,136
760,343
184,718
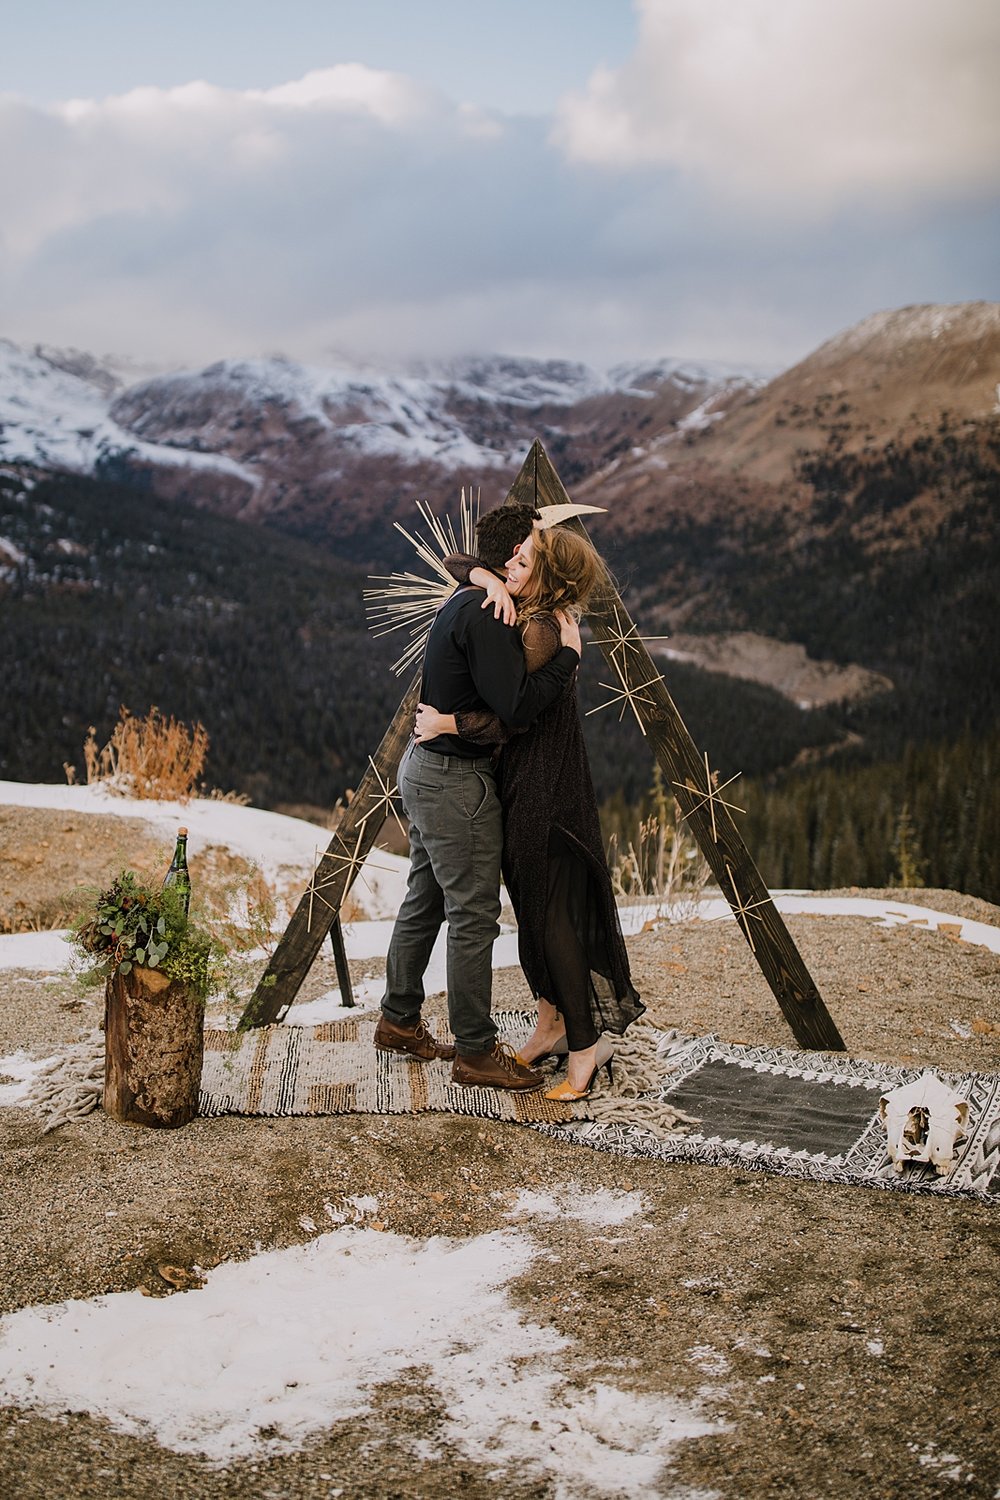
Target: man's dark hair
501,530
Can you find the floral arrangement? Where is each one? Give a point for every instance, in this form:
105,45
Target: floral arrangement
135,925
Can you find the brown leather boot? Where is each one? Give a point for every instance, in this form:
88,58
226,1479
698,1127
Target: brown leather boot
498,1069
415,1041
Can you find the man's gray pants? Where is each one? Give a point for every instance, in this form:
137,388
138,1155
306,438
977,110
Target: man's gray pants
456,836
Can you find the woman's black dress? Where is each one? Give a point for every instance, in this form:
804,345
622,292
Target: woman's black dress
569,935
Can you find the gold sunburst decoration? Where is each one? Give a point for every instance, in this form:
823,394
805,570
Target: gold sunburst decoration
744,910
346,866
409,601
712,797
625,642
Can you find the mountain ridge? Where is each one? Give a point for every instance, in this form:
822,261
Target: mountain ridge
726,495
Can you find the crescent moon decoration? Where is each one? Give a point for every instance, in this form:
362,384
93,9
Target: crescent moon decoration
409,601
552,514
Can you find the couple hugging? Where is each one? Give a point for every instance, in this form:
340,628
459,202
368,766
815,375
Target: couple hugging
496,774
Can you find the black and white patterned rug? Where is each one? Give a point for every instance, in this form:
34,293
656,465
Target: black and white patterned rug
798,1114
672,1098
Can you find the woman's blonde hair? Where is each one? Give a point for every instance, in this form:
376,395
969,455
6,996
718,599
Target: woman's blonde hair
565,571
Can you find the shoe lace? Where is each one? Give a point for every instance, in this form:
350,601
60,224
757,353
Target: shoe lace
506,1057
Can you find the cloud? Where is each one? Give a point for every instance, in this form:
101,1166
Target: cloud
250,213
355,211
351,208
805,104
156,151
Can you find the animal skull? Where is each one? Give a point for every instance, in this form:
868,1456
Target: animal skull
924,1122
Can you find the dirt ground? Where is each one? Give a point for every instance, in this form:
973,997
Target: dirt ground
846,1336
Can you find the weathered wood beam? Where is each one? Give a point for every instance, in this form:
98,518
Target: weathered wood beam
340,960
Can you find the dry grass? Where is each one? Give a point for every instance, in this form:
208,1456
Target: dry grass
662,866
153,757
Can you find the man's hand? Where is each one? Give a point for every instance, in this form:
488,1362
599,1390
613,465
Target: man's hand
428,723
569,632
496,595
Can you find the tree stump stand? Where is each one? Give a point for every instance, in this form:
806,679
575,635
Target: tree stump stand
154,1042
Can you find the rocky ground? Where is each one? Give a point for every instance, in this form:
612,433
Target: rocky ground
844,1338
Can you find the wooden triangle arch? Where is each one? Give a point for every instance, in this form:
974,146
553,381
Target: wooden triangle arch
687,775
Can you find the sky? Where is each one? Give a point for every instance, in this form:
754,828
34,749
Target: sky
386,183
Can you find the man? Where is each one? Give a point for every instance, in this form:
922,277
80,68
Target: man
473,660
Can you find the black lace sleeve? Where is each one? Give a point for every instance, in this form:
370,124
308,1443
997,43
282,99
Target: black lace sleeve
482,727
460,565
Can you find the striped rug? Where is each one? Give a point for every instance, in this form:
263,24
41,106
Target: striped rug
334,1069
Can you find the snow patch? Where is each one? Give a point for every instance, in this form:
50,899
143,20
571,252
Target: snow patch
288,1344
23,1069
605,1208
708,1359
329,1007
286,850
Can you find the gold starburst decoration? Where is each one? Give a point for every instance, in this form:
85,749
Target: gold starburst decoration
712,796
630,695
744,910
386,801
409,601
346,866
625,639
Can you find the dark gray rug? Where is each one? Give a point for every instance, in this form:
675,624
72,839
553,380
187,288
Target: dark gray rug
799,1114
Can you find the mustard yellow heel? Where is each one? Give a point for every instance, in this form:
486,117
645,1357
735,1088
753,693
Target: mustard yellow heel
564,1094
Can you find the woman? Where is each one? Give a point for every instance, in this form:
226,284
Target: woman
569,937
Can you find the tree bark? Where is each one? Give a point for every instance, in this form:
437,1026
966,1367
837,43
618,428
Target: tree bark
153,1048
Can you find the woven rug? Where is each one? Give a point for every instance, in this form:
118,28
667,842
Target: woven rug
673,1098
334,1069
798,1114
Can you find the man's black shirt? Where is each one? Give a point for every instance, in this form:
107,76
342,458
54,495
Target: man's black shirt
474,661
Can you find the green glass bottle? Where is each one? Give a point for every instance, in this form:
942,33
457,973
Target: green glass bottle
178,874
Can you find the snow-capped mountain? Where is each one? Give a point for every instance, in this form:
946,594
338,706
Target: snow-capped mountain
70,410
260,438
335,452
55,411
